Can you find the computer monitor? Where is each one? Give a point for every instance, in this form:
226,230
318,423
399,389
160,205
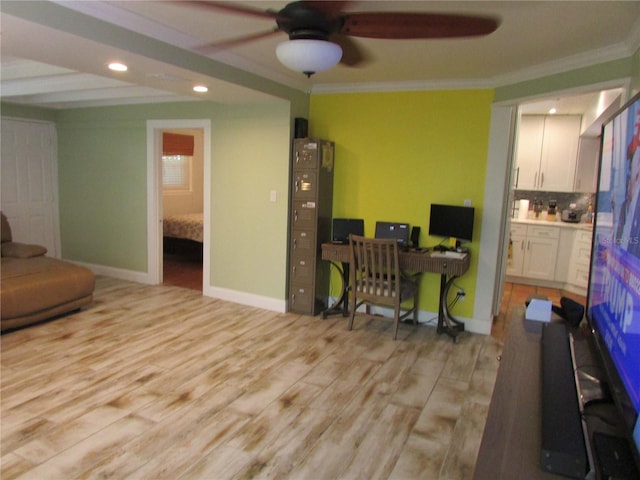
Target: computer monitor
343,227
395,230
451,221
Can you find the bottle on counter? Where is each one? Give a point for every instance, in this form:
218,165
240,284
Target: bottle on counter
589,216
537,208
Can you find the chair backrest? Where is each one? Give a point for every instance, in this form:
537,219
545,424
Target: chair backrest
375,268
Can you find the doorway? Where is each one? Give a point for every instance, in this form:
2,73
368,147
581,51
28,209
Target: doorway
182,207
592,109
201,130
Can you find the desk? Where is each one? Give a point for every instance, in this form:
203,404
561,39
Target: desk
449,269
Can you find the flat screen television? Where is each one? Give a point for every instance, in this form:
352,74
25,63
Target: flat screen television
451,221
613,298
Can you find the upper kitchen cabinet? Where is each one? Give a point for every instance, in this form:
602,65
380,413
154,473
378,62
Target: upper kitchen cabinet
587,165
546,153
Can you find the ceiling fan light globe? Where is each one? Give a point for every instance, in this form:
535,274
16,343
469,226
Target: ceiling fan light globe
308,56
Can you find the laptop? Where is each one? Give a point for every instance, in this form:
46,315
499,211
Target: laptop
343,227
395,230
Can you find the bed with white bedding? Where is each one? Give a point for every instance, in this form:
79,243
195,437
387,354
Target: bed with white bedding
185,226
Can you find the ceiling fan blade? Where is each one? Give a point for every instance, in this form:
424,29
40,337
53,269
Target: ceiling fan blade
234,42
396,25
353,55
229,7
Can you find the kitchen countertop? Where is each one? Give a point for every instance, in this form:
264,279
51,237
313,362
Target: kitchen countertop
556,223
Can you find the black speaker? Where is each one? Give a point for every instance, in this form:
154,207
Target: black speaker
563,449
415,237
301,129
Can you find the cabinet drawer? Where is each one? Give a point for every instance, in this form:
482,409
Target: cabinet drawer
302,269
543,232
580,276
305,184
304,214
583,253
304,242
518,230
306,154
584,236
301,299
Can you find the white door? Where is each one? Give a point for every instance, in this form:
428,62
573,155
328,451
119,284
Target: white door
29,182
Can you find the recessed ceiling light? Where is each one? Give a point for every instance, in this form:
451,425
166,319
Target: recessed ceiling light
552,111
118,67
201,88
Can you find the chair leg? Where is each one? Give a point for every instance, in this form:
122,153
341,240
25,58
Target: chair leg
396,321
352,314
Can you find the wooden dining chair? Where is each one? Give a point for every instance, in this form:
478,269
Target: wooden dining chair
376,279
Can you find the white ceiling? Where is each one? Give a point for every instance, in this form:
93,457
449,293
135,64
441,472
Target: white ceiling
44,65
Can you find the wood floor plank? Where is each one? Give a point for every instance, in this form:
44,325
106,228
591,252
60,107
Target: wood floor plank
161,382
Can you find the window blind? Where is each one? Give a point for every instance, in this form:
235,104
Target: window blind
177,144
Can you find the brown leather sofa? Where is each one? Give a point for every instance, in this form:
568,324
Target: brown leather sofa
34,287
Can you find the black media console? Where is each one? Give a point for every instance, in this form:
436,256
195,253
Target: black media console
538,420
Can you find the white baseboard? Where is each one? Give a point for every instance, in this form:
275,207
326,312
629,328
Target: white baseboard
130,275
244,298
473,325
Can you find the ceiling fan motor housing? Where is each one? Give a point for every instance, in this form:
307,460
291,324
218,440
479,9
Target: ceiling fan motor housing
301,21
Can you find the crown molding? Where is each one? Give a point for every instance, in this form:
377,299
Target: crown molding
564,65
567,64
418,85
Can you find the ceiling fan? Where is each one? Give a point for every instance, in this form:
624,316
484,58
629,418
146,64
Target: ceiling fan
319,31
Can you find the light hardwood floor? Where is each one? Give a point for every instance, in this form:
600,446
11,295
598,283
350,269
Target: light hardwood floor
158,382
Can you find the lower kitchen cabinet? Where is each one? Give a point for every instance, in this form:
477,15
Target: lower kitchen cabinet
533,251
546,255
580,259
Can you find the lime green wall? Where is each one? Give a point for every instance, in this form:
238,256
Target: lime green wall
396,153
102,176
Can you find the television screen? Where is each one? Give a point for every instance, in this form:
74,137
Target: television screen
451,221
613,303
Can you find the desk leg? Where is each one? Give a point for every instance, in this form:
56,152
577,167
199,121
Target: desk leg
446,322
342,305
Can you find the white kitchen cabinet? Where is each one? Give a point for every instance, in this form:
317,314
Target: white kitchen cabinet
534,251
547,151
529,151
587,165
517,245
580,260
541,252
